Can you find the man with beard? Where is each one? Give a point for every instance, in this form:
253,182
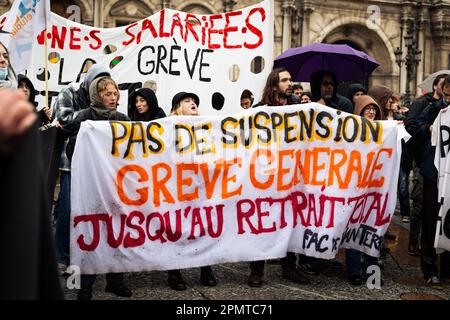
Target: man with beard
277,92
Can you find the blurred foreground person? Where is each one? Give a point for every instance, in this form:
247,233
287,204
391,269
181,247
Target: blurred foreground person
28,268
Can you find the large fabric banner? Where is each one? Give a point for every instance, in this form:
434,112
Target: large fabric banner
216,56
190,191
26,19
441,139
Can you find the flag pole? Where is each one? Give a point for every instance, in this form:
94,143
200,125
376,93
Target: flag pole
46,67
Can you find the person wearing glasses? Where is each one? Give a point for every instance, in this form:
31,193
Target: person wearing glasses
324,90
365,106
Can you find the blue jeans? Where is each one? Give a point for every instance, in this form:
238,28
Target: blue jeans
403,192
62,234
353,264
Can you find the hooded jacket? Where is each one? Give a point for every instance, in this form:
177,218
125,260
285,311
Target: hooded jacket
337,101
364,101
71,100
354,88
96,112
154,111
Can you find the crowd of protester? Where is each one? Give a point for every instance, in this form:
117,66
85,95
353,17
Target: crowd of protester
96,98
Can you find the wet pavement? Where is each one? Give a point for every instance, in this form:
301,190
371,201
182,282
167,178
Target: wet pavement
401,275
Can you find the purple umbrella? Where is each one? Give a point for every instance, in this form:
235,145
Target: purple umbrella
344,61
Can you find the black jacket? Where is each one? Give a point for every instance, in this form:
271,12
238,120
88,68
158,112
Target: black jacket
28,269
424,122
87,114
415,147
337,102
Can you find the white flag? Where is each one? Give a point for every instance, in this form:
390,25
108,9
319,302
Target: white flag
26,20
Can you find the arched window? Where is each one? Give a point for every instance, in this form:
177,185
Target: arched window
127,12
197,9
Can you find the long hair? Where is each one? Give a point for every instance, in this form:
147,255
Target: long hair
177,110
270,93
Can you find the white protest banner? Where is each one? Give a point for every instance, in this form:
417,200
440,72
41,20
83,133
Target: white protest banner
190,191
441,139
171,51
25,20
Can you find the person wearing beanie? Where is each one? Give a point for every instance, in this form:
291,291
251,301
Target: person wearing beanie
355,90
143,106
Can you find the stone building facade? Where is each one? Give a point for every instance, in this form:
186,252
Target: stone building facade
377,27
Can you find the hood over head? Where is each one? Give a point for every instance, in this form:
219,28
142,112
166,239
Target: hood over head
153,112
96,102
96,71
316,82
22,78
364,101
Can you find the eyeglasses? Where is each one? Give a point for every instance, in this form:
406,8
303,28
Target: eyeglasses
328,83
370,109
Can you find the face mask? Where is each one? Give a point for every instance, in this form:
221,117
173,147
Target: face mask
3,73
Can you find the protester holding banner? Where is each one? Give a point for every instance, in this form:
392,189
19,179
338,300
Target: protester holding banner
70,101
277,92
431,204
104,95
8,78
186,104
143,106
365,106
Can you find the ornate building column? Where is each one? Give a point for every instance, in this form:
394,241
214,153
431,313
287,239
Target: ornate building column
402,70
228,5
306,10
440,27
288,8
421,23
165,4
98,13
